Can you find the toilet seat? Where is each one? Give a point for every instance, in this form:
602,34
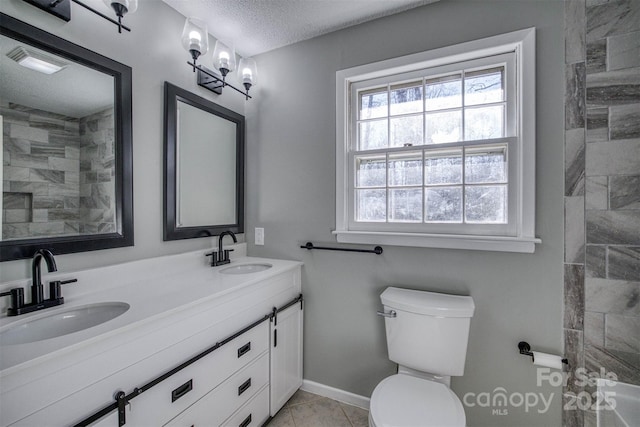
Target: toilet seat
405,401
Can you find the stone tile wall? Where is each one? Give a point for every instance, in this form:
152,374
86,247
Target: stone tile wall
97,173
40,173
602,192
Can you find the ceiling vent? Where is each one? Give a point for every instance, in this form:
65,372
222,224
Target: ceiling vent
36,61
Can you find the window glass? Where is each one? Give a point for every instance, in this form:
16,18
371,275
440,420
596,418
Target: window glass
484,86
405,205
406,131
443,92
485,164
406,98
373,104
443,167
405,169
373,134
372,205
484,123
486,204
371,171
444,204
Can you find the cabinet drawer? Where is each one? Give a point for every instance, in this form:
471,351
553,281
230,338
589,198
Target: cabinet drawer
254,413
178,392
221,402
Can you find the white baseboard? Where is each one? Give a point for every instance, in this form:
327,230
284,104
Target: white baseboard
335,394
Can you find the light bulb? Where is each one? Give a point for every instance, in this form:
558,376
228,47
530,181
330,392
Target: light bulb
247,75
195,40
224,58
249,72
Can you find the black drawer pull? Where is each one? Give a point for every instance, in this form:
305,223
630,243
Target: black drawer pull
244,386
244,349
182,390
246,422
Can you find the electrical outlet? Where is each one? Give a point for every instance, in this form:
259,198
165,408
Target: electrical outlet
259,236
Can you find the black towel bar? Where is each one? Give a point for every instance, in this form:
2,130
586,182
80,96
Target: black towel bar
377,250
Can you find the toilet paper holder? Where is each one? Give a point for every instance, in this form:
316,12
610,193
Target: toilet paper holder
525,349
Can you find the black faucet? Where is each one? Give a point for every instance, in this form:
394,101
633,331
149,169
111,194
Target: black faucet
223,255
37,290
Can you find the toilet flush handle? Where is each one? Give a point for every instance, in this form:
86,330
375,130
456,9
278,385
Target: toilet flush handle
391,313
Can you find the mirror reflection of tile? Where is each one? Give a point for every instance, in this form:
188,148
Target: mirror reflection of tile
58,173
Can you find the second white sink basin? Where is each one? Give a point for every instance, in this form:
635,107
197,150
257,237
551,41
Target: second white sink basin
61,323
246,268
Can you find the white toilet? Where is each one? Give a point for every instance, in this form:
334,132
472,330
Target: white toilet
427,336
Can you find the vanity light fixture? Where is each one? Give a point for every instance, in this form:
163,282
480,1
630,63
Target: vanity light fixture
121,8
195,41
62,9
35,60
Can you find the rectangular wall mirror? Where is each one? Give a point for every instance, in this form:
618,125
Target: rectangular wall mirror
65,113
203,167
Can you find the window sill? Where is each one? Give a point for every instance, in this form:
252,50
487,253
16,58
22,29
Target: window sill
444,241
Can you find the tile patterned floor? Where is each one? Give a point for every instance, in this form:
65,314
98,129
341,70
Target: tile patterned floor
310,410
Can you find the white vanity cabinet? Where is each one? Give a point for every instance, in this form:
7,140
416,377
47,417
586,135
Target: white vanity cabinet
286,355
230,380
231,370
263,387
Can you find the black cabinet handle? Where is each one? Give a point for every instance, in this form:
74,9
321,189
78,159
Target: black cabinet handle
244,349
182,390
246,422
244,386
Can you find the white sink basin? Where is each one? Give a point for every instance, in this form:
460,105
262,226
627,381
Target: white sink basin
61,323
246,268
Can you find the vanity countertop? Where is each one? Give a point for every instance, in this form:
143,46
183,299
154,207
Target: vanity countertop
156,289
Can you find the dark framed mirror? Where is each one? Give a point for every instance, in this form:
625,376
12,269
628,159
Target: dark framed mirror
67,145
203,166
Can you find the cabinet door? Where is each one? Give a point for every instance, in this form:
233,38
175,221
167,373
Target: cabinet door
286,356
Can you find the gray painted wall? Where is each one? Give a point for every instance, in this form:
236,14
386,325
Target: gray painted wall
154,51
291,193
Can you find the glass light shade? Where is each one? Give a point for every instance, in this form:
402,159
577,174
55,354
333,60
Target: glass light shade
224,58
248,72
130,5
195,36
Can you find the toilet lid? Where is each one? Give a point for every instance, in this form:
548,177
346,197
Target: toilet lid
402,400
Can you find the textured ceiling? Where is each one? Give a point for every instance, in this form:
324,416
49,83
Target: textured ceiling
257,26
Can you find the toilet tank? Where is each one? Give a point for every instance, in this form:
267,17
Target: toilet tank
430,330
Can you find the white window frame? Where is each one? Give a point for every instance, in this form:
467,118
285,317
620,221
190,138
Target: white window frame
519,234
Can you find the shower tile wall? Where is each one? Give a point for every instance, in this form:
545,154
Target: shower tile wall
602,192
40,192
53,180
97,173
